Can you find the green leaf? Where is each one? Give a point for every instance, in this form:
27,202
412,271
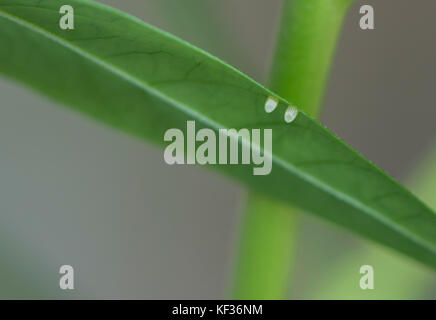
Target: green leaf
144,81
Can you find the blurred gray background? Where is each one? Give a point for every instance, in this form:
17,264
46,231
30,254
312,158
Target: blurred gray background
73,191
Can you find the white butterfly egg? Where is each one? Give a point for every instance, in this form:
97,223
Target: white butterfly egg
271,104
290,114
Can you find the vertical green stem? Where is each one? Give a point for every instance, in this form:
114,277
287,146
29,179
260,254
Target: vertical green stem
305,48
265,252
304,51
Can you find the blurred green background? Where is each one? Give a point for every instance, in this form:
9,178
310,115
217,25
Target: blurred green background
73,191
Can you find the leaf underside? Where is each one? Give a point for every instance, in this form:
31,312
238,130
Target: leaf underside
144,81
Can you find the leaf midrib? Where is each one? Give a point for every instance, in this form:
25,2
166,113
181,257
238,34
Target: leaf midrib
185,109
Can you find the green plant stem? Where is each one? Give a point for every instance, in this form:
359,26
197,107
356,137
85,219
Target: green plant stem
305,47
339,279
265,250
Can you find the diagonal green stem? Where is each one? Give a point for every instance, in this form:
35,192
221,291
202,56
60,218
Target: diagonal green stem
338,281
305,48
